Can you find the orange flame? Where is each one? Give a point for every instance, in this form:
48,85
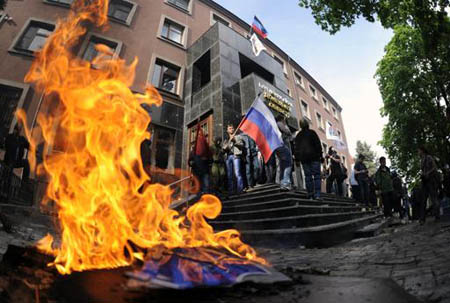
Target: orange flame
108,213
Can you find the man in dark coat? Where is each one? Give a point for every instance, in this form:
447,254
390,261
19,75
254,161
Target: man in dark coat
308,151
362,177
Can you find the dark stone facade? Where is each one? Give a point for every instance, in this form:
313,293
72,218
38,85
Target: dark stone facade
237,76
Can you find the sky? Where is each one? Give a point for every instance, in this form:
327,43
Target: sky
344,63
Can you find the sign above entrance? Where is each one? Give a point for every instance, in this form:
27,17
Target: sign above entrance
275,101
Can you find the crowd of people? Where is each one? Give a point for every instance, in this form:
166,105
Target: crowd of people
385,188
236,165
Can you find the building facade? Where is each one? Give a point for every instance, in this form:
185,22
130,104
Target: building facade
195,52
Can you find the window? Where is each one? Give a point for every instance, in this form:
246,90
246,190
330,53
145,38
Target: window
249,66
216,18
298,80
339,134
326,104
172,31
313,92
183,4
32,37
320,123
60,2
90,51
325,147
201,72
282,64
329,126
12,96
334,112
289,92
162,148
121,11
305,109
165,76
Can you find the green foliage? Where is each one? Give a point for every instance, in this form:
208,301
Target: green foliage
413,76
362,148
412,101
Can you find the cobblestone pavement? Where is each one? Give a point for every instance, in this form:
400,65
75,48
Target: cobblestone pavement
416,257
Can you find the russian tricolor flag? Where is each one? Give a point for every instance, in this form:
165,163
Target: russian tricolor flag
259,123
259,28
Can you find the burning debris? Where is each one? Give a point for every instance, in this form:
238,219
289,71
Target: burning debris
110,216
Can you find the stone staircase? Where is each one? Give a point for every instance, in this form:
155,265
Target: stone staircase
269,217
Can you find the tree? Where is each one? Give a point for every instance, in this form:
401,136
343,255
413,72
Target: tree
413,103
413,76
362,148
2,4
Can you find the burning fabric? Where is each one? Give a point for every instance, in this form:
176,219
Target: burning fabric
109,214
206,267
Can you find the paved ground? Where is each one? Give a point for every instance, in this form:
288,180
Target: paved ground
416,257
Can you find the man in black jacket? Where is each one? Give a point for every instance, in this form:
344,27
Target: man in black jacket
308,151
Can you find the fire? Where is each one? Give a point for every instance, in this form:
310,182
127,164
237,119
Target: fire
109,214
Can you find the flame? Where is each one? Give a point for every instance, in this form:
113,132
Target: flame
109,214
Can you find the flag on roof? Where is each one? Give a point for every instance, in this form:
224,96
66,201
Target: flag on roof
259,28
259,123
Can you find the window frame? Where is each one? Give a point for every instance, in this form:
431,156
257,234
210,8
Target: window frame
172,152
25,90
320,125
180,80
314,95
282,62
212,21
326,104
335,113
58,3
130,15
127,22
308,111
188,11
88,38
302,82
324,146
22,32
184,35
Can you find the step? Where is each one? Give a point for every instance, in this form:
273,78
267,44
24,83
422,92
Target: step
283,208
371,230
316,236
287,222
278,196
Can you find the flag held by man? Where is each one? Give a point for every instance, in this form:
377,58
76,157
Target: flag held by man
259,123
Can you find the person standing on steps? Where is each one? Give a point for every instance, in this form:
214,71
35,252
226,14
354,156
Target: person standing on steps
362,177
383,182
234,148
284,154
430,180
308,152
